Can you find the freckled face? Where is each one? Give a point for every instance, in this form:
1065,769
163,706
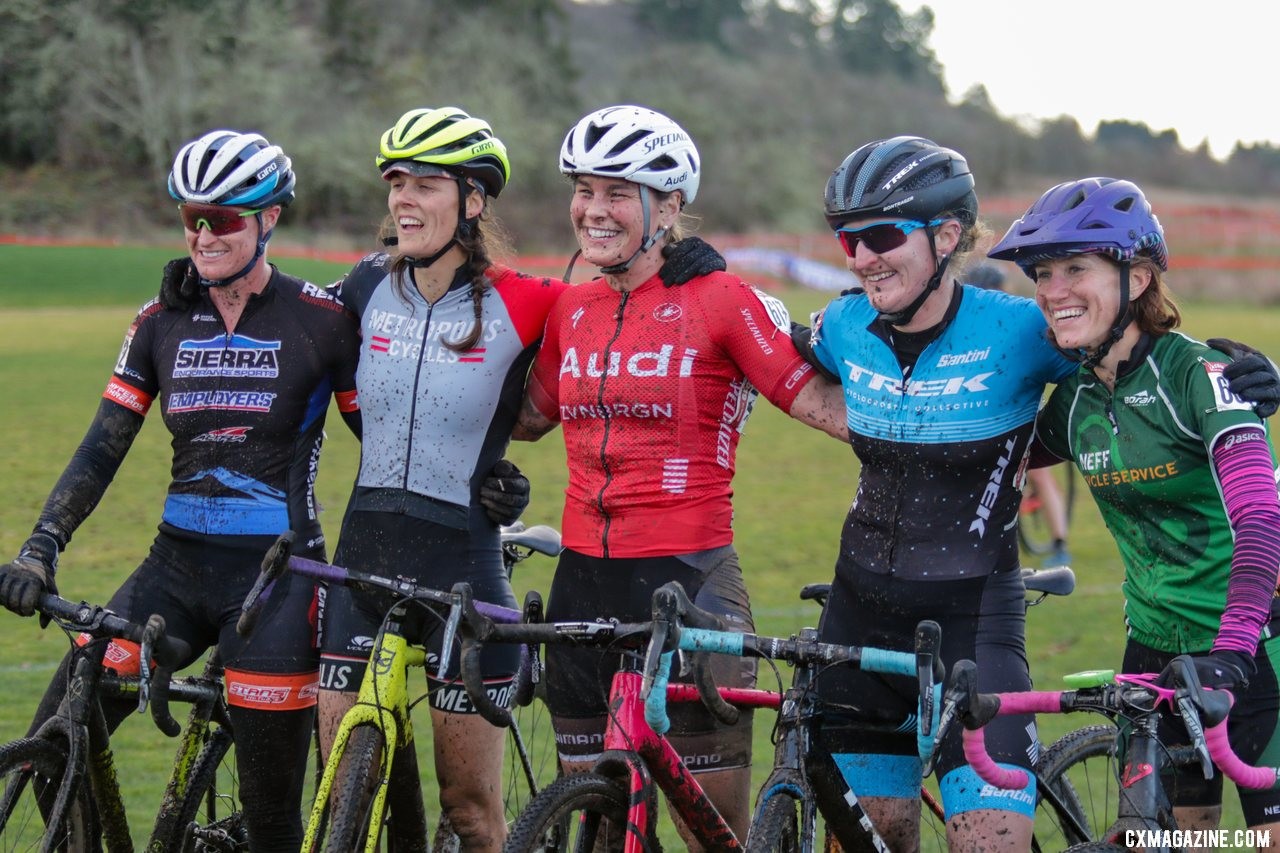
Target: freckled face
607,219
1080,298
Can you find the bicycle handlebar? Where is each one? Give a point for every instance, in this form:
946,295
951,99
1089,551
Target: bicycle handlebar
279,558
1195,705
169,653
671,629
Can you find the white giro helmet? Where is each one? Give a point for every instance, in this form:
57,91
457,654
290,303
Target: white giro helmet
230,168
636,144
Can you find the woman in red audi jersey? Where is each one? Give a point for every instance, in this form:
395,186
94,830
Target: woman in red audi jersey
242,373
652,384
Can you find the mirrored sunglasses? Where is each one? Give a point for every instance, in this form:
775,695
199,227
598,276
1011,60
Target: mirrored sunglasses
881,237
218,219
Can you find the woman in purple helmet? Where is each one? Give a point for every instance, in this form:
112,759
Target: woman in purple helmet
1181,468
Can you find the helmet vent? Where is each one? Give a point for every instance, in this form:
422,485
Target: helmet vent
596,132
627,141
1125,204
661,164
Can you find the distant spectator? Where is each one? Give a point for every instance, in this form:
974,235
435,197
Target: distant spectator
986,276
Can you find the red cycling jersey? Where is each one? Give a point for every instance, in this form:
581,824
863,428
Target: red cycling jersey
653,388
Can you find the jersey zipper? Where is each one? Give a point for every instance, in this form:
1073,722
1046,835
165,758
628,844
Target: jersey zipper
608,424
413,407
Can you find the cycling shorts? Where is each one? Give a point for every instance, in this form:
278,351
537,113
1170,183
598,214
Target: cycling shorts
199,587
392,544
578,679
1252,730
983,620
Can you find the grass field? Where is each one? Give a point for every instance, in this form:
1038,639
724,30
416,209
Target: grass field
63,312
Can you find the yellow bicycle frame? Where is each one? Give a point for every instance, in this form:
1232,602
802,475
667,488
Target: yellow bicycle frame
383,702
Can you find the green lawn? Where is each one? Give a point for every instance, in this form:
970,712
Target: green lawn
63,313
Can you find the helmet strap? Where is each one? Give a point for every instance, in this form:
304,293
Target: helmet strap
646,244
568,270
463,224
1123,319
903,317
263,237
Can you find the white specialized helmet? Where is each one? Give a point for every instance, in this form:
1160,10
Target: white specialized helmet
636,144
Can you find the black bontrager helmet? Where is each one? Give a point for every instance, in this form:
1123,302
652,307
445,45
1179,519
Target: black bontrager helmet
907,177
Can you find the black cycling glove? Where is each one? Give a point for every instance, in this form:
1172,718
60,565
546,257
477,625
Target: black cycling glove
179,284
801,336
687,259
1252,375
29,574
504,494
1224,670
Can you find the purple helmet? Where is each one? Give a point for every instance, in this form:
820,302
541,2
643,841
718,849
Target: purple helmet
1091,215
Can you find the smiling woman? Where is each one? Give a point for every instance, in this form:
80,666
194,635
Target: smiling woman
1179,465
653,378
242,372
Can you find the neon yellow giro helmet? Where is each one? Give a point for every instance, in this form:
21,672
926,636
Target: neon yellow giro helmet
445,141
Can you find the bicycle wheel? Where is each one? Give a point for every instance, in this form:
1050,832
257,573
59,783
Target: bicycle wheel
1078,789
777,826
933,824
532,760
355,785
32,772
209,815
1035,533
585,811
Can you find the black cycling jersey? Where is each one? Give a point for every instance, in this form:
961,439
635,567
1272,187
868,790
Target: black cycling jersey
246,409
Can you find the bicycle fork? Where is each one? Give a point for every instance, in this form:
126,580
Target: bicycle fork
382,704
1141,789
630,741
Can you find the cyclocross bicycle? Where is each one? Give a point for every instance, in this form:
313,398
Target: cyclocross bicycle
363,782
614,805
1141,815
793,737
61,790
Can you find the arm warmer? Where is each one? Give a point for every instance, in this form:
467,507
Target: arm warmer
90,471
1245,471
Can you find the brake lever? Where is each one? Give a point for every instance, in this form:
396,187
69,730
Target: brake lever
153,628
1187,696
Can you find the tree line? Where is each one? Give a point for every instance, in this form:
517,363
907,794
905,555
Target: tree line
96,96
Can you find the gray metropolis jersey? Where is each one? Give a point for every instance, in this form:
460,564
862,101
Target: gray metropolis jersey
462,405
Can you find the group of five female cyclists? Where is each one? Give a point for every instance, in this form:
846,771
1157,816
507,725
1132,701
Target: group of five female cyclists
651,371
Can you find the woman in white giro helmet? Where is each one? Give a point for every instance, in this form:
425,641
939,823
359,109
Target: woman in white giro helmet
239,363
653,383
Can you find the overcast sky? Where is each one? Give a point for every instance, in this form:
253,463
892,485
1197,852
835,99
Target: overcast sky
1207,70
